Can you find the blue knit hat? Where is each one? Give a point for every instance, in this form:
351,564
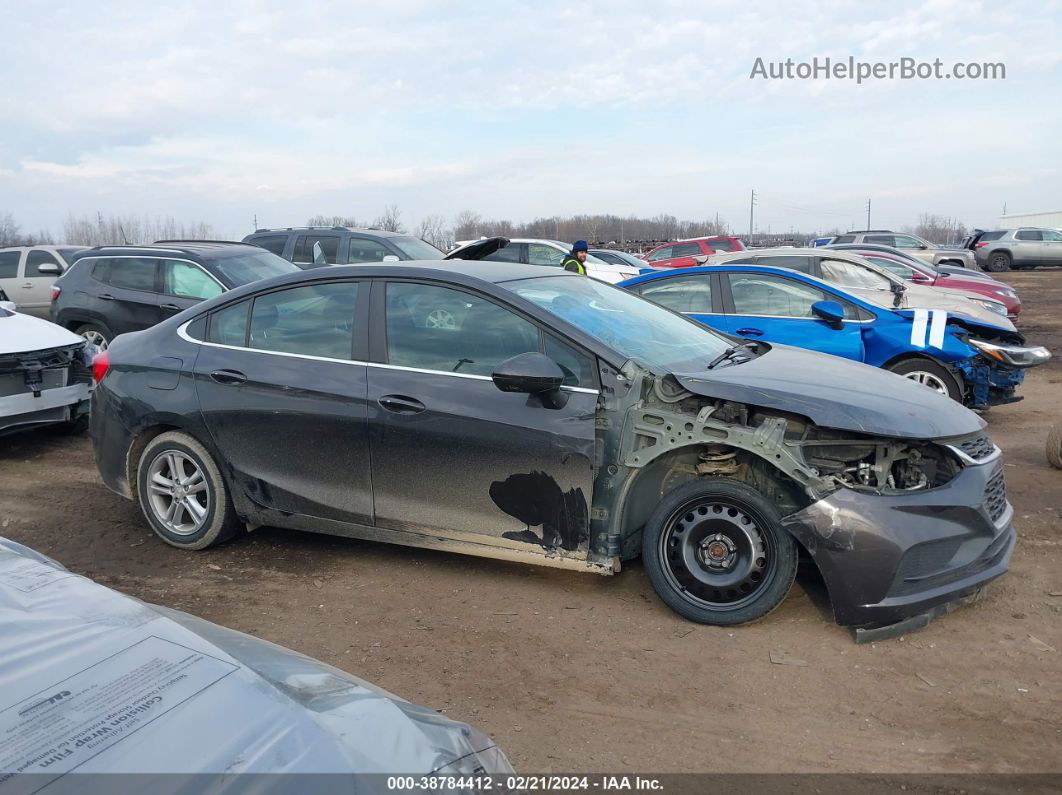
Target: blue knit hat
580,245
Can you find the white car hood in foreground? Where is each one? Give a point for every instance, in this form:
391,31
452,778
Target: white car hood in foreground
21,334
93,681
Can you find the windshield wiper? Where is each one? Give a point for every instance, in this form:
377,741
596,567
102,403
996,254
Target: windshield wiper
731,353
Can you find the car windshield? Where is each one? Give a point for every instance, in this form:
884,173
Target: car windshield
632,326
240,269
628,259
415,248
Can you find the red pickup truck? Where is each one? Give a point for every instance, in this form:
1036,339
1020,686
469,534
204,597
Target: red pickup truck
680,254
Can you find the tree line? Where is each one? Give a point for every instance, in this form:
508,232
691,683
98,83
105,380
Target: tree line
633,233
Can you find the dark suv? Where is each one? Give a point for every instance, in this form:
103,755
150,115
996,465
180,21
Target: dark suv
316,246
111,290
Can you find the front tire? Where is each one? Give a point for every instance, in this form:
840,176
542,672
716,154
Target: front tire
1054,446
716,552
998,262
182,493
931,375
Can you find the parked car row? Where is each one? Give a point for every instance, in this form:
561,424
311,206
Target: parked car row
1027,247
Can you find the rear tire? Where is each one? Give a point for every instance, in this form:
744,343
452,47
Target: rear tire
998,262
182,493
95,334
716,552
1054,446
931,375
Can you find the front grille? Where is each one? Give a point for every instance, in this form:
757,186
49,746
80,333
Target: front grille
915,572
977,447
995,501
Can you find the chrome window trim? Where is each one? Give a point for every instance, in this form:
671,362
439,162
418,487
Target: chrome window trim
224,289
182,332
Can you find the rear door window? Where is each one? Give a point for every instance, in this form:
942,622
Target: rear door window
719,245
316,250
844,239
514,252
848,274
228,326
881,240
1028,234
9,264
686,250
311,320
680,293
128,273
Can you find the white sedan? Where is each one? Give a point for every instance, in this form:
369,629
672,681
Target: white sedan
45,373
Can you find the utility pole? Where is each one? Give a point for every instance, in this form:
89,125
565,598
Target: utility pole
752,205
868,213
255,222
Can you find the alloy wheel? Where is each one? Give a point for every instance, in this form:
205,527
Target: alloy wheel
440,318
96,338
178,493
928,379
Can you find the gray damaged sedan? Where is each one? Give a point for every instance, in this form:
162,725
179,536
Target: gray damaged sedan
497,410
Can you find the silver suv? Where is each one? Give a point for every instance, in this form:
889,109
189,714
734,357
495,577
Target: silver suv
911,244
1026,247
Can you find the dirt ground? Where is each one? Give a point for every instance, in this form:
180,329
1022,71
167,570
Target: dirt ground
574,672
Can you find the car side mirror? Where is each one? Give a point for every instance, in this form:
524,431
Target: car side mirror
830,311
701,260
390,258
532,374
50,268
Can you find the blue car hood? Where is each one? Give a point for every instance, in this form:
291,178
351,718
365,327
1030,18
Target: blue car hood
836,393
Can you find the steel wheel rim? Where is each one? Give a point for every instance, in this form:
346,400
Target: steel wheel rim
178,494
440,318
934,382
96,338
715,554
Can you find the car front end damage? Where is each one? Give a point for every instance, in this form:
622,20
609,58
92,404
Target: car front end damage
901,529
992,375
45,387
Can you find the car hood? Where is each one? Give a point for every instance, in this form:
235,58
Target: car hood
836,393
479,249
917,296
21,333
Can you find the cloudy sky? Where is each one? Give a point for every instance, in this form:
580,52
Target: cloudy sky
222,110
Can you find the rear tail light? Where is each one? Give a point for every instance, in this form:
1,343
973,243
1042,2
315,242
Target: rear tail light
980,245
55,291
101,363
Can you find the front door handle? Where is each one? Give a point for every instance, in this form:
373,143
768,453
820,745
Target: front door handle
750,332
106,297
27,286
228,377
171,307
401,404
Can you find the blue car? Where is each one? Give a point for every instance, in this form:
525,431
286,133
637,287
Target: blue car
971,361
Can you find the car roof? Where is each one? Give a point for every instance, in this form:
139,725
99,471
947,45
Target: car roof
358,229
185,247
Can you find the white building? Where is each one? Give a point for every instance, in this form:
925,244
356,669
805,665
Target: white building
1051,220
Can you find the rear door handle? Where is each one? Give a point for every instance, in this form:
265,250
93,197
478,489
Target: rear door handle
106,297
27,286
228,376
172,307
750,332
401,404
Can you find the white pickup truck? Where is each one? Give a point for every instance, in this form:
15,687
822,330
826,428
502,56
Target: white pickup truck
27,274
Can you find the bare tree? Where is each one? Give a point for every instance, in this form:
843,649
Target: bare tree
9,230
432,228
116,230
390,221
938,229
332,220
466,225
